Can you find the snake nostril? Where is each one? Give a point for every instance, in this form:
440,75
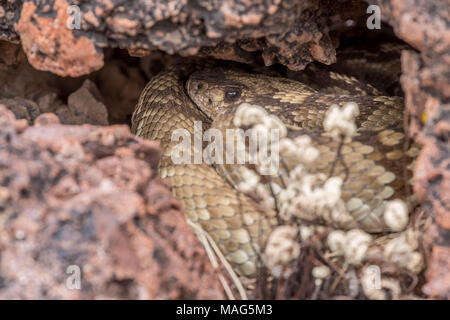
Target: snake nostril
198,86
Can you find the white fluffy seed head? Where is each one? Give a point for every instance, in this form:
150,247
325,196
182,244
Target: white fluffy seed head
306,232
299,148
401,251
310,154
396,215
282,248
264,196
287,148
333,190
375,286
297,173
340,215
306,152
273,122
341,121
356,246
249,179
336,241
248,115
321,272
302,141
416,262
350,110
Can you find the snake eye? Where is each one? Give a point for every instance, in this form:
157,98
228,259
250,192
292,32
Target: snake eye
232,94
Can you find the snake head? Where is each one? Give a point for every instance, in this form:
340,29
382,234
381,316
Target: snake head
214,90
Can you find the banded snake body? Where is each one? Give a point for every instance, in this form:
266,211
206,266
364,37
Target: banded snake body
373,162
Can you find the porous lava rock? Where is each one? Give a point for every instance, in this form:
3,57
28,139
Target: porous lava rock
84,201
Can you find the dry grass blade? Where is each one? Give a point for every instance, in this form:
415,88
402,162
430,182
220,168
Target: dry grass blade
213,251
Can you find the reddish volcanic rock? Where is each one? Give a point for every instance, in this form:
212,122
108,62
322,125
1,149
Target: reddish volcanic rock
426,83
86,198
51,46
289,32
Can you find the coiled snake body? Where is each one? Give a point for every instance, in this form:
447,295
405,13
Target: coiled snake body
373,162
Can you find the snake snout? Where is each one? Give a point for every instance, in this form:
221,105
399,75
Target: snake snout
196,88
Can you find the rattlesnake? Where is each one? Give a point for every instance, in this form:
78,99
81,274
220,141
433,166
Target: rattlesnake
373,163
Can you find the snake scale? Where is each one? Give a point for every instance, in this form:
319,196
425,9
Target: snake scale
373,162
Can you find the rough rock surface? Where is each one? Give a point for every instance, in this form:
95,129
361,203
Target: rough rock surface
87,196
105,97
9,14
438,271
425,80
10,54
289,32
51,45
120,85
83,106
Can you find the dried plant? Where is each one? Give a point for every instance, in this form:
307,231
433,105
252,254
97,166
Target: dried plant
306,256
